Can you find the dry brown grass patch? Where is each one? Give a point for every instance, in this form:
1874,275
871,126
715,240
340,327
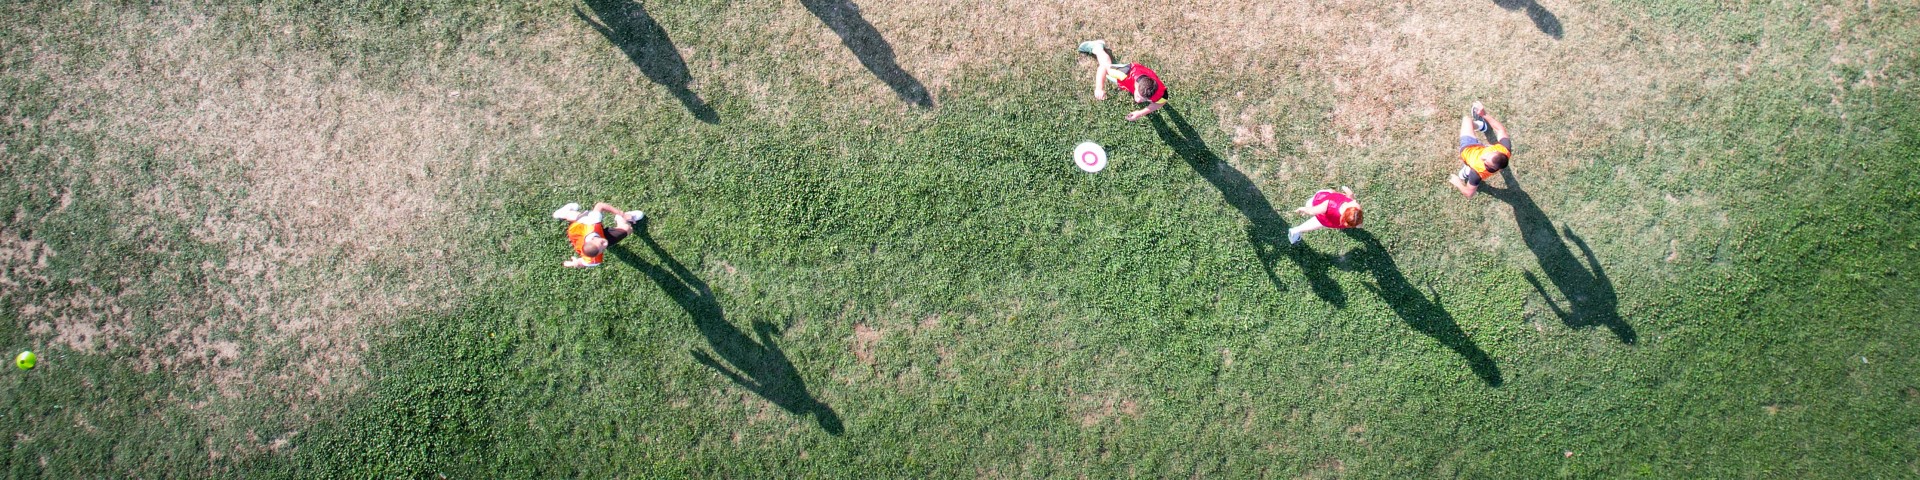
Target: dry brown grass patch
865,338
338,203
1091,410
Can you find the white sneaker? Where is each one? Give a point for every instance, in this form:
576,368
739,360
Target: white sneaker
568,212
1293,237
1090,46
636,216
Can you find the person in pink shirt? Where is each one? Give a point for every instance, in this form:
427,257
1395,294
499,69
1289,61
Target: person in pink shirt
1327,209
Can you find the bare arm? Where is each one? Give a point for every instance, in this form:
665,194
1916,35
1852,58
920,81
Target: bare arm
619,216
1312,210
1138,114
1499,129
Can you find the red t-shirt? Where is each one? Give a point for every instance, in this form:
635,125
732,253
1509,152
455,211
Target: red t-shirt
1159,93
1334,200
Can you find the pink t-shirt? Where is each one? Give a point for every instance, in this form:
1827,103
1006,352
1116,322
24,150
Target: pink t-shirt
1334,200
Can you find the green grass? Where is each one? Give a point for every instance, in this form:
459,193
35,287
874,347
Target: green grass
1034,320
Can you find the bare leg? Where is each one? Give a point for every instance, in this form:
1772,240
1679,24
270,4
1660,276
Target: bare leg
1100,73
1293,234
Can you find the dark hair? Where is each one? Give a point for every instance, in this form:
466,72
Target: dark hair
1145,86
1497,163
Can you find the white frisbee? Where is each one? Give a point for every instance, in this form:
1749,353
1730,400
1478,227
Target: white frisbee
1090,157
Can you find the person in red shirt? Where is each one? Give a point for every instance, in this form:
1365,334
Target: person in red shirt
1480,160
1135,79
1327,209
589,237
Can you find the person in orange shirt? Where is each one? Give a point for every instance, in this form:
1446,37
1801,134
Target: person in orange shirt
1137,80
1480,160
589,237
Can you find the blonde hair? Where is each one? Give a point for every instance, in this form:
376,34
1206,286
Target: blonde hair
593,250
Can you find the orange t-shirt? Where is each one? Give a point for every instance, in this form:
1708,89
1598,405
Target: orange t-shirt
1470,155
577,235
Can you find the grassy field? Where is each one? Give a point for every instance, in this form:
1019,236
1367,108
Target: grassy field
296,239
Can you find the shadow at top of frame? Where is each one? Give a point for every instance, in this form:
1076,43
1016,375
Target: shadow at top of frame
1542,19
751,361
1590,297
627,25
843,17
1266,230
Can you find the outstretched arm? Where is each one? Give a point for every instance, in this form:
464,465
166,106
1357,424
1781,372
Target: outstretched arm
1499,129
1138,114
619,216
1313,209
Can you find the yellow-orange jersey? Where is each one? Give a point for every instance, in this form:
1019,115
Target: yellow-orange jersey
1470,155
577,235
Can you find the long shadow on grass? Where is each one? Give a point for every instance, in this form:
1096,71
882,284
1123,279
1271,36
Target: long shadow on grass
627,25
1266,229
1591,299
1417,309
867,45
755,362
1542,19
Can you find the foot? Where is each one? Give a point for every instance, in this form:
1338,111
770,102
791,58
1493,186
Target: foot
636,216
1091,46
568,212
1293,237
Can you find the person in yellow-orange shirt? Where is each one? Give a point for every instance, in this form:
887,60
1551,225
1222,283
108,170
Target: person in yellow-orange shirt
589,237
1480,160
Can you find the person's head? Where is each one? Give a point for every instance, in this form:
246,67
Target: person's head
593,246
1350,215
1143,88
1494,160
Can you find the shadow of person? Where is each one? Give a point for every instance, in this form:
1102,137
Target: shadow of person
1417,310
1542,19
844,18
754,362
1266,229
627,25
1591,299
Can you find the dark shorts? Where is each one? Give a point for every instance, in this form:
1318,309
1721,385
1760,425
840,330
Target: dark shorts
616,234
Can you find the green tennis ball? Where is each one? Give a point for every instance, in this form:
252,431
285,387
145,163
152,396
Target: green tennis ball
26,360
